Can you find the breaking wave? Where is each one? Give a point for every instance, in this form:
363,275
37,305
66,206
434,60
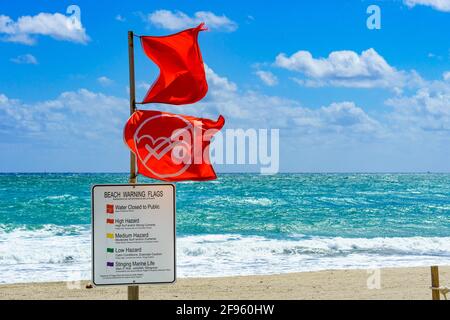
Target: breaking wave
55,253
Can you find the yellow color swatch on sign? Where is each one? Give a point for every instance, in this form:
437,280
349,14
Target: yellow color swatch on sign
110,236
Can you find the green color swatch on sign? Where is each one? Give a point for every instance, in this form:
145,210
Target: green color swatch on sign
110,250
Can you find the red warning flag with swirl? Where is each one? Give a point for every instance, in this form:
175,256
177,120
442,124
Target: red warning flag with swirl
172,147
182,78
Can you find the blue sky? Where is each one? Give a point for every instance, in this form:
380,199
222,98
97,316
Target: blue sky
344,97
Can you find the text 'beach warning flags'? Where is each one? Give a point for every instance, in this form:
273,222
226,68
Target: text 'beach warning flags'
168,146
172,147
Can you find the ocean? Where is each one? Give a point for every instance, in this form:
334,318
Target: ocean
240,224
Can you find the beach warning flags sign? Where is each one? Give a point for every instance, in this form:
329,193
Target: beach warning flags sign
182,78
172,147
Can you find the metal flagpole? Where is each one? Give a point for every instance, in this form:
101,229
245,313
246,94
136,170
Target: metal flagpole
133,291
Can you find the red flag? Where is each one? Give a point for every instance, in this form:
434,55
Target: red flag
182,78
110,208
172,147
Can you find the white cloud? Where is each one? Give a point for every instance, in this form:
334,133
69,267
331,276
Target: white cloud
346,69
267,77
25,59
178,20
250,109
446,76
144,85
339,116
250,18
82,116
432,55
26,29
120,18
339,64
440,5
428,109
218,83
104,81
86,114
74,115
82,119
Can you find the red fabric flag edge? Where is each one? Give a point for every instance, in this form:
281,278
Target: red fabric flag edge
198,29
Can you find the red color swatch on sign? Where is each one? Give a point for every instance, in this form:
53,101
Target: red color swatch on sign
110,208
110,221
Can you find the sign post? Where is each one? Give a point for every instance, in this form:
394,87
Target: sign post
133,235
133,291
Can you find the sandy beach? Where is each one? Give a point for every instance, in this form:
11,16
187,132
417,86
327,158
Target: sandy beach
396,283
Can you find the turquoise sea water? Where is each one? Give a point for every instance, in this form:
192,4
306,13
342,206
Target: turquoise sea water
239,224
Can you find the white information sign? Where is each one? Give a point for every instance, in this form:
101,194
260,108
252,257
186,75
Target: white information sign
133,234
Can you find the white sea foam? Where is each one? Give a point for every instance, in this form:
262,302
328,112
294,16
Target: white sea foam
62,197
50,253
63,254
264,202
219,255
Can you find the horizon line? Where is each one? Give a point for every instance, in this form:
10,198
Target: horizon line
243,172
